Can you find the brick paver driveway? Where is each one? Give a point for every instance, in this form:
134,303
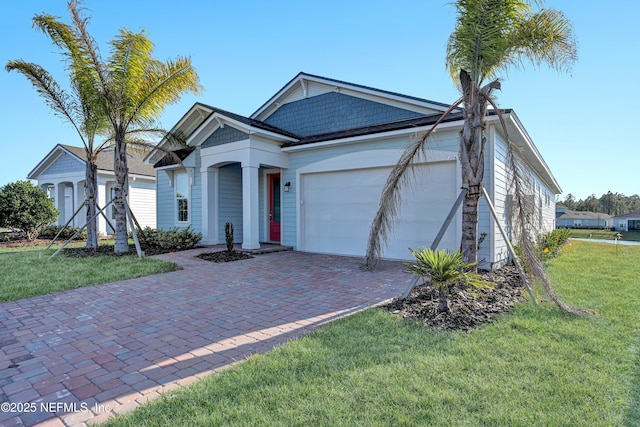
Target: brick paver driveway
85,354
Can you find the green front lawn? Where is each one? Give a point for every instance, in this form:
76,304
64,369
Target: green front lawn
28,272
536,366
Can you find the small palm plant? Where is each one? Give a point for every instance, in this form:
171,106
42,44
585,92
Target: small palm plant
445,269
228,235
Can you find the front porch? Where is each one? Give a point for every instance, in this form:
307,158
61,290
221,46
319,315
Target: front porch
241,183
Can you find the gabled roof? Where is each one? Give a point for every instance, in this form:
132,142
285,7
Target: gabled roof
283,119
135,161
219,118
304,85
193,122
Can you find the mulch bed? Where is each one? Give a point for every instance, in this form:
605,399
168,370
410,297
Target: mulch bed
108,250
469,308
224,256
24,243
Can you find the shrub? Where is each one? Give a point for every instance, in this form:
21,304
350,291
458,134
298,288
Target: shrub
172,240
26,208
50,231
549,244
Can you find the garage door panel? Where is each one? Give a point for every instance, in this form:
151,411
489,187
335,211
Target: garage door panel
338,207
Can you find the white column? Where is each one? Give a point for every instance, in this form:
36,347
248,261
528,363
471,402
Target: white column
60,202
81,218
250,209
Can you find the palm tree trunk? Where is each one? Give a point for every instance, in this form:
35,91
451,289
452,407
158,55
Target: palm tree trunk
90,185
121,171
443,304
472,143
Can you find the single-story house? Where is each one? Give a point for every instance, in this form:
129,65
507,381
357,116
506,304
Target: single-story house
306,170
627,222
567,218
62,175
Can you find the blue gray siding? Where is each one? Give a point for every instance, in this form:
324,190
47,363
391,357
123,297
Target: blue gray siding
230,200
224,135
64,164
164,202
494,247
196,196
332,112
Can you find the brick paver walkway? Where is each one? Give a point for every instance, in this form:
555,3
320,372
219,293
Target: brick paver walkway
83,355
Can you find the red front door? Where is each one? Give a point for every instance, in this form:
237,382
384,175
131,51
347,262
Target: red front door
274,207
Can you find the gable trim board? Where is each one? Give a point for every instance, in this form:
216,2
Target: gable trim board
335,175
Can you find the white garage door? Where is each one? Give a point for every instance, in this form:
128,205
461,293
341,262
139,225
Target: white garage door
337,209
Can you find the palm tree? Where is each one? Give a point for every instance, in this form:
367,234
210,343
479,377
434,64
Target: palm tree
81,109
490,36
445,270
132,86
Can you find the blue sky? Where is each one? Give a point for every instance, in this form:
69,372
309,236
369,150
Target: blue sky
244,51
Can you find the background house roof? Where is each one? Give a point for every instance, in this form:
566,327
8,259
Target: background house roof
634,215
135,161
584,215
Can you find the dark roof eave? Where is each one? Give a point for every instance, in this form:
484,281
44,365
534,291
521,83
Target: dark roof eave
369,130
170,160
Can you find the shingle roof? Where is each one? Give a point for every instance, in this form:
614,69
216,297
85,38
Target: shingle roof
135,160
342,82
634,214
569,214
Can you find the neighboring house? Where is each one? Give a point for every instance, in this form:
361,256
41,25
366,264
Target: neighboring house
62,174
566,218
307,168
627,222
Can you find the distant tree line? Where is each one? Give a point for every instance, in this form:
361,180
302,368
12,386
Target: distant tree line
609,203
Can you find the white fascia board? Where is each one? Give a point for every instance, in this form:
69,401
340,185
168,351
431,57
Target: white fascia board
217,120
371,136
197,111
520,137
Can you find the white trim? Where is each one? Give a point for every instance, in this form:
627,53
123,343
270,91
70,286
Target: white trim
217,121
250,207
189,177
248,151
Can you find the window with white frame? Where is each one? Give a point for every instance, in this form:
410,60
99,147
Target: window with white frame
182,196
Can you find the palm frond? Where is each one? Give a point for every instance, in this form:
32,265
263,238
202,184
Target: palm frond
164,84
546,38
490,36
391,197
520,219
54,96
